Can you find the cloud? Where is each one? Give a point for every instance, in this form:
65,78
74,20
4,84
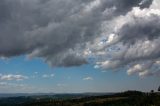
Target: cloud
61,85
7,87
88,78
145,73
57,31
114,33
35,72
135,44
145,3
48,76
11,84
10,77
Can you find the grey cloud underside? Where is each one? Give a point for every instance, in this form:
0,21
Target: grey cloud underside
140,39
140,28
56,30
138,45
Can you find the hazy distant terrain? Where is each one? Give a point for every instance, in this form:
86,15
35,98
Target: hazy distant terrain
129,98
53,95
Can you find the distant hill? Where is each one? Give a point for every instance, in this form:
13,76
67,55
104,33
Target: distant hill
2,95
128,98
23,94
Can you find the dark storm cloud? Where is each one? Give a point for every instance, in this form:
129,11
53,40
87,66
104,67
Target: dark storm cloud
56,30
145,3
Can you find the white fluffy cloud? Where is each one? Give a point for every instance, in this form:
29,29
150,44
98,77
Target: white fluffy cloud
88,78
10,77
48,76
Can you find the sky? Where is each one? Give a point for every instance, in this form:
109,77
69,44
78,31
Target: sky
75,46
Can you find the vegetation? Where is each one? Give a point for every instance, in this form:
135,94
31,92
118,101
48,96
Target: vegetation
129,98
